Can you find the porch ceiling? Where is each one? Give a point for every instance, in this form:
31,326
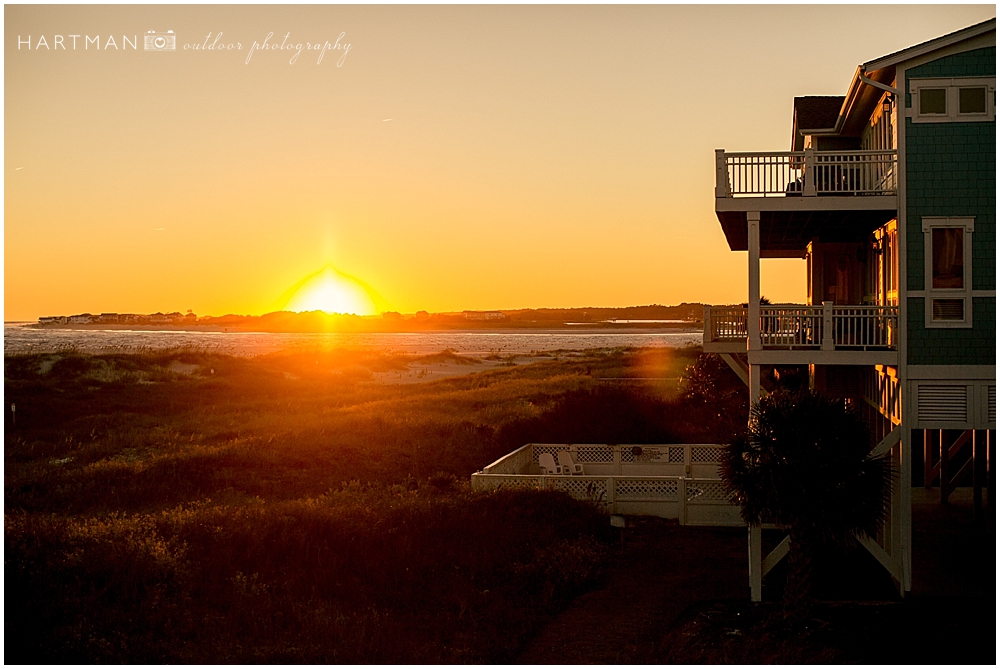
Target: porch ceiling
786,233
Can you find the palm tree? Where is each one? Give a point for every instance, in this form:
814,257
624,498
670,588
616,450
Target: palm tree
804,463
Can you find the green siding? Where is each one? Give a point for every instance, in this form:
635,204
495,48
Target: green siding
952,346
951,171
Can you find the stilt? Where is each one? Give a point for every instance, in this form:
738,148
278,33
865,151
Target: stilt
943,467
977,478
753,541
928,460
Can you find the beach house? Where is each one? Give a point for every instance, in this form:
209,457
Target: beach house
889,194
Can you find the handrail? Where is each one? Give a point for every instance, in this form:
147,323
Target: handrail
796,326
805,173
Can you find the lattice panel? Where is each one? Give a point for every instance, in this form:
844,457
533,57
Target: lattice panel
643,489
595,490
627,455
706,454
538,450
706,492
676,454
518,483
595,454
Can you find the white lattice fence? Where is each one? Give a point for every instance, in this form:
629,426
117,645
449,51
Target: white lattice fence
674,480
553,449
641,490
582,487
706,491
511,482
595,454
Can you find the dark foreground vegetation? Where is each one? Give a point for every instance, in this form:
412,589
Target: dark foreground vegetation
182,506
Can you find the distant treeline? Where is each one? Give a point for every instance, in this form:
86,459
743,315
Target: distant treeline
391,321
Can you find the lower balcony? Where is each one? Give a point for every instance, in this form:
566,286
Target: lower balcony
806,334
678,481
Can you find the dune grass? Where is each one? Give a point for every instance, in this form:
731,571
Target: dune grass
190,506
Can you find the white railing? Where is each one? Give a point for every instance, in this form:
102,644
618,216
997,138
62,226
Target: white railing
793,326
726,324
804,173
865,327
668,480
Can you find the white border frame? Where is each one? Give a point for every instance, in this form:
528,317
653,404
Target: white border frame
951,86
927,224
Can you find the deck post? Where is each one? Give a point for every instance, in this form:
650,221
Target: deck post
682,495
977,478
755,564
809,174
943,467
928,459
828,340
721,174
991,480
753,303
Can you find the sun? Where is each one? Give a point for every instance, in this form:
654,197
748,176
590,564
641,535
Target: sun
333,292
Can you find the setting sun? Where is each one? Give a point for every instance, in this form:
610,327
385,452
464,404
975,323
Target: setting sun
333,292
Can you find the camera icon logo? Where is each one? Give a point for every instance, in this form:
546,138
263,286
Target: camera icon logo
154,41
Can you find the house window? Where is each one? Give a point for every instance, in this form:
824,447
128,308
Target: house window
948,278
934,101
972,100
948,267
959,99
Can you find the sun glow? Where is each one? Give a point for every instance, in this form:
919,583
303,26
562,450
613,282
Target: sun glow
333,292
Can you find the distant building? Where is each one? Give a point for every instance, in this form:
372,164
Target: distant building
159,317
484,315
107,318
52,320
81,319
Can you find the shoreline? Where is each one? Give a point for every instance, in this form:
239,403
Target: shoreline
214,329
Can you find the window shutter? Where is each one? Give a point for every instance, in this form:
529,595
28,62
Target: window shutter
942,403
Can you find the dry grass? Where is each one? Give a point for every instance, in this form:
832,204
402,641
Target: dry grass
186,506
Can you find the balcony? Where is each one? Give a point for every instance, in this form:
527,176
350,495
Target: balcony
805,173
831,196
804,334
678,481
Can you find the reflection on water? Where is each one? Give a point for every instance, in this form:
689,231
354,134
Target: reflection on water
19,339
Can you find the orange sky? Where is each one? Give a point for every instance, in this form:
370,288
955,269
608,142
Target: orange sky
537,156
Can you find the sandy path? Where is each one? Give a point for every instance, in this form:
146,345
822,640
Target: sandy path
665,569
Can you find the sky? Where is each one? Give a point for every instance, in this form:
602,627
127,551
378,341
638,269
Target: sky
449,157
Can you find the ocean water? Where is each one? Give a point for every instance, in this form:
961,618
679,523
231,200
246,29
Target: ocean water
20,339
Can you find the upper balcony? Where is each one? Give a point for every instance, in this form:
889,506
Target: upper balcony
796,334
835,196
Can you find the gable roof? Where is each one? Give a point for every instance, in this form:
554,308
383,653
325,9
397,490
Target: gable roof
817,111
814,112
861,97
930,45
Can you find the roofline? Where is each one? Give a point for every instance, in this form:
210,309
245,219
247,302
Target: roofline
909,53
929,46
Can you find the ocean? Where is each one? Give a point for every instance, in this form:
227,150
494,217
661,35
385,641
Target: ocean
21,339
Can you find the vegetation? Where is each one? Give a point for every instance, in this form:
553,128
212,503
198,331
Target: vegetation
185,506
804,461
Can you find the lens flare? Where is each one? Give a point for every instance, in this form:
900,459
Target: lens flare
333,292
